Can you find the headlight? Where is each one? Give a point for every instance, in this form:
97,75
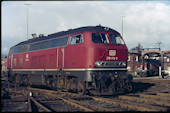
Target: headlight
99,64
110,64
122,64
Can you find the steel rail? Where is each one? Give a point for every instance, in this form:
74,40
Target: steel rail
81,105
40,105
164,94
154,96
71,102
29,105
151,108
42,90
140,99
52,93
130,105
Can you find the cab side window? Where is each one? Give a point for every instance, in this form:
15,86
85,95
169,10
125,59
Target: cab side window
76,39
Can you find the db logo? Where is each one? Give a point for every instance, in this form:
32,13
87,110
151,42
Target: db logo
112,52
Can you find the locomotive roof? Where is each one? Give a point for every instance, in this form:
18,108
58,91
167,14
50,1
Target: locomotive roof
70,31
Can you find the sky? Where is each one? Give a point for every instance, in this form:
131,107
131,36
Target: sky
144,22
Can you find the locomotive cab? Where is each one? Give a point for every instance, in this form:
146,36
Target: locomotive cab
107,57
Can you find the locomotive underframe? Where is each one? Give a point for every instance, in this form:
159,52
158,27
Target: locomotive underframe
82,80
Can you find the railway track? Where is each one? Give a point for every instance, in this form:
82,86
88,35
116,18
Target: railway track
74,100
152,98
135,102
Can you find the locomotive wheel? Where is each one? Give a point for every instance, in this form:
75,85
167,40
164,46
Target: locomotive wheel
25,79
59,82
72,84
128,86
54,84
99,87
18,80
98,84
119,84
67,85
81,87
49,83
112,88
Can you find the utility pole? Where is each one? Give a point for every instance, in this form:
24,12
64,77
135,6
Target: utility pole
27,20
122,25
159,45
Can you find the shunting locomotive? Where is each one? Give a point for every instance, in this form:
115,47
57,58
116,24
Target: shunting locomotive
85,59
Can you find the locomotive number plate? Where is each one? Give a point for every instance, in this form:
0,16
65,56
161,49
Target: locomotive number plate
111,58
112,52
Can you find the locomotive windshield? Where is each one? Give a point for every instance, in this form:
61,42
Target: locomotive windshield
103,38
116,39
99,38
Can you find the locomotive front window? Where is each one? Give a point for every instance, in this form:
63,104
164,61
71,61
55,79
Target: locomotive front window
116,39
99,38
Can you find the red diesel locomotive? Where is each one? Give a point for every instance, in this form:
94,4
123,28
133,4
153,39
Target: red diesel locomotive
92,58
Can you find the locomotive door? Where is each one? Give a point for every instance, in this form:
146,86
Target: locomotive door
60,58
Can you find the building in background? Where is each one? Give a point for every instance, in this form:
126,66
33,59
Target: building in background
149,62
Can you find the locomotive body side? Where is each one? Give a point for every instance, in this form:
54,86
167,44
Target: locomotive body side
39,59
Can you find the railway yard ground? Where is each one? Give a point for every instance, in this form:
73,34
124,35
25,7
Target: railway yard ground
148,94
